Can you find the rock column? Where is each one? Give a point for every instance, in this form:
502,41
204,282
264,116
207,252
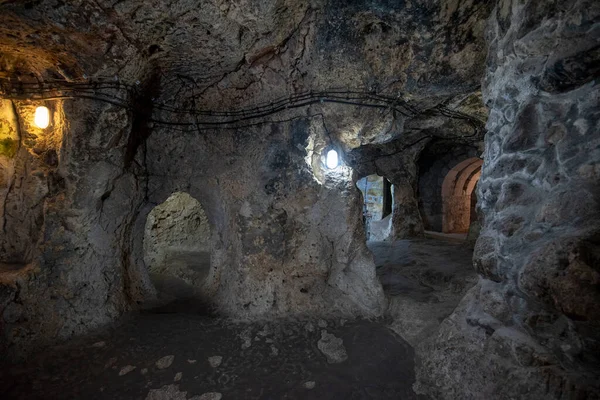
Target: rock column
531,327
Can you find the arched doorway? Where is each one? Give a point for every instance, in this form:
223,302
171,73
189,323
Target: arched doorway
434,163
457,195
177,248
377,206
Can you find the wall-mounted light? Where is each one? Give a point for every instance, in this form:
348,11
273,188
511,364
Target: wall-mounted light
332,160
42,117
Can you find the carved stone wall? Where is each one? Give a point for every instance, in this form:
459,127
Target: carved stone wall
286,233
531,327
72,198
457,192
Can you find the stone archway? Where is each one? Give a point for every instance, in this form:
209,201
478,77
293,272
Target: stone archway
457,190
177,248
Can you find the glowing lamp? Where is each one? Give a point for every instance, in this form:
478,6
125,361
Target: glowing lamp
332,159
42,117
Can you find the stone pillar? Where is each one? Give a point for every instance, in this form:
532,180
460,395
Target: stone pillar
531,327
401,171
406,219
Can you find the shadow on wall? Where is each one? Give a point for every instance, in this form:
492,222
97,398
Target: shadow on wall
177,249
457,196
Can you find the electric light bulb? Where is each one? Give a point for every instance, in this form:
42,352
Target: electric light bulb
332,159
42,117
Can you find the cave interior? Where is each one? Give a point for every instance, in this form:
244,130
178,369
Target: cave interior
315,199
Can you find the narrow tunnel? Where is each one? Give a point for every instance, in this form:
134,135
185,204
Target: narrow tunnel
424,277
458,196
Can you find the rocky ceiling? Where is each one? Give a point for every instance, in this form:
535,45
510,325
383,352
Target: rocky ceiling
215,55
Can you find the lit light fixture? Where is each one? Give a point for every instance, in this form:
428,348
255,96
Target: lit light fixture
42,117
332,160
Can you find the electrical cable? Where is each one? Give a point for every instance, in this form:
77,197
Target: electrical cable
240,118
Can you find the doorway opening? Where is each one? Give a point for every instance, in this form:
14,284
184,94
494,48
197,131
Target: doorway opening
378,200
177,248
458,196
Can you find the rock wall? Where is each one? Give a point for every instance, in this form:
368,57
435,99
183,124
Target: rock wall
287,234
285,237
66,252
27,152
400,169
530,329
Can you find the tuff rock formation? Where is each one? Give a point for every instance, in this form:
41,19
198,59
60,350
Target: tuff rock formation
158,87
530,328
186,157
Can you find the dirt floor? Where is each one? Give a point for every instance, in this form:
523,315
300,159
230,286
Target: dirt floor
166,353
424,280
274,360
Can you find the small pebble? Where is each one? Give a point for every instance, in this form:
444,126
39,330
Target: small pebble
165,362
192,361
126,369
211,396
309,384
99,344
178,376
215,361
274,351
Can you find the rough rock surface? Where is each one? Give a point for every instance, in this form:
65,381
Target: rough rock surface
167,392
208,396
286,236
332,347
236,50
530,328
126,369
285,229
215,361
150,79
165,362
96,185
404,162
68,208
